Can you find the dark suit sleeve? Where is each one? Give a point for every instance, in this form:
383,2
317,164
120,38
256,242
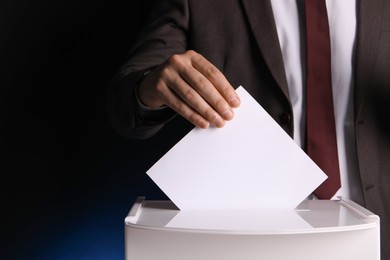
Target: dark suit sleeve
164,34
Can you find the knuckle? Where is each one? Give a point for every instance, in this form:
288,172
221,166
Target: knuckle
201,83
192,53
175,83
211,72
176,105
189,94
174,60
196,57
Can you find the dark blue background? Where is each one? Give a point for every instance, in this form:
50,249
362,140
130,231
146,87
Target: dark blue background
67,180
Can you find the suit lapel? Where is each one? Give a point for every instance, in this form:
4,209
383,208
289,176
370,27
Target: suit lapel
261,20
369,18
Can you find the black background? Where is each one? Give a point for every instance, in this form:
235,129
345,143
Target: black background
67,180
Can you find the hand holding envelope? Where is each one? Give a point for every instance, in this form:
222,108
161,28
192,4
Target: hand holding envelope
249,164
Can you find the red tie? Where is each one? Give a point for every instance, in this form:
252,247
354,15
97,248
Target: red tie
321,144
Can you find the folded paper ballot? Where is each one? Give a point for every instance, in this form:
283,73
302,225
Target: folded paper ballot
249,164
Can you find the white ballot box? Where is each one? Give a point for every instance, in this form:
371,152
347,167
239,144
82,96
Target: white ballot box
316,229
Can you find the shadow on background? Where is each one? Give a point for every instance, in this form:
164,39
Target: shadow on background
68,181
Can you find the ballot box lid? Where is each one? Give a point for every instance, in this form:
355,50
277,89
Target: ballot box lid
309,217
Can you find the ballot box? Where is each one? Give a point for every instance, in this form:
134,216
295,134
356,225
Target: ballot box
316,229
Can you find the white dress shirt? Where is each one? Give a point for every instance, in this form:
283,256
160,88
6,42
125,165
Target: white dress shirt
290,22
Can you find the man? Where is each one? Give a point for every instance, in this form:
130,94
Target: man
192,54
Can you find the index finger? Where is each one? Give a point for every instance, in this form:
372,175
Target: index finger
216,77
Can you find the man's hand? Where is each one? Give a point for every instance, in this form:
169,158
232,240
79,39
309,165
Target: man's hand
193,87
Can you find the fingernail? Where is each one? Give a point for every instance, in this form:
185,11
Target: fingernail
235,102
219,122
228,114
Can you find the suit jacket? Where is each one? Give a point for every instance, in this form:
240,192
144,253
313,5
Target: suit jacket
240,38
